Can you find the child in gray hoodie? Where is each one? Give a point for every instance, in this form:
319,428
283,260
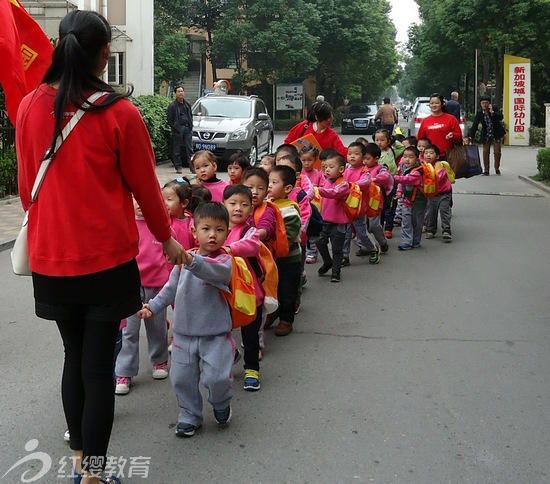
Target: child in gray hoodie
203,348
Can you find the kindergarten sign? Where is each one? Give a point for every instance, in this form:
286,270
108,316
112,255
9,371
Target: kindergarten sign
517,99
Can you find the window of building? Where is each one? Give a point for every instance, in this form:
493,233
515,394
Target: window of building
116,68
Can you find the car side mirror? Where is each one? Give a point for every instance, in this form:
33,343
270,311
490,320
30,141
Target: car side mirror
263,116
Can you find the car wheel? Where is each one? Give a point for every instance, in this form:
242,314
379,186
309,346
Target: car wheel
253,154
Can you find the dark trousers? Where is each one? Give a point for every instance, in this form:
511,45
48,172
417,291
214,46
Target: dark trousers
287,289
251,342
87,386
336,234
388,212
182,147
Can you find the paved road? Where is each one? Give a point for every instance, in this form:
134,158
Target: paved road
431,367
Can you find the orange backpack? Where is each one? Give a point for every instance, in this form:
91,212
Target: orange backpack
352,205
278,246
375,200
430,180
242,296
266,271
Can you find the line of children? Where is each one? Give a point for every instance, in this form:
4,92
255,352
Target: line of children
203,348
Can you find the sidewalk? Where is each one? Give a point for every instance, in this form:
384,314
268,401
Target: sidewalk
518,161
11,211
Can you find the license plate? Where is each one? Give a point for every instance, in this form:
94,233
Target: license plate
361,124
205,146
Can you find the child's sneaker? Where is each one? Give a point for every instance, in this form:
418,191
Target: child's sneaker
345,261
429,235
447,237
374,257
327,266
404,247
362,253
388,234
335,277
160,371
223,416
251,380
424,229
67,436
385,248
123,384
311,259
184,429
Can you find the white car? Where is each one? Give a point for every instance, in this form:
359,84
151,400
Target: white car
228,124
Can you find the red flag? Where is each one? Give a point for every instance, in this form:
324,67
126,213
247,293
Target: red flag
25,53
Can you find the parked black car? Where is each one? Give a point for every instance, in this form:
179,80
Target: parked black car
360,119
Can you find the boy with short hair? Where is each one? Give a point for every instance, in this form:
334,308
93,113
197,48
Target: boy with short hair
354,173
414,201
380,175
243,241
442,202
334,217
236,166
203,348
282,180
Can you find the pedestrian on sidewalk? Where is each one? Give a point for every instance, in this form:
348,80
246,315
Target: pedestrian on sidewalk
82,236
492,132
180,119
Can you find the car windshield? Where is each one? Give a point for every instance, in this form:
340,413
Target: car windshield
223,107
359,109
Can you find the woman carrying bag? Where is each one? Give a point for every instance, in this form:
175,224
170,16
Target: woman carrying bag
82,236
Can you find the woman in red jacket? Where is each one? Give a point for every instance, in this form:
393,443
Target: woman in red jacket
440,127
318,123
82,235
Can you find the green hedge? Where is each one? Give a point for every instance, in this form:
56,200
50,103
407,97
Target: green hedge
153,110
543,163
8,173
537,136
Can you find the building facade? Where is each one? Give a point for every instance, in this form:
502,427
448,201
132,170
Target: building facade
132,36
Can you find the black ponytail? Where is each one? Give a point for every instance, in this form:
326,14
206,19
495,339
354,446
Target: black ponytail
82,37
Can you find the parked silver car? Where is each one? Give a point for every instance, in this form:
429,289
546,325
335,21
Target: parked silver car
228,124
421,109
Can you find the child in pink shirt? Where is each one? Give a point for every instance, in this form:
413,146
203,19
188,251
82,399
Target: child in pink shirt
244,241
154,272
354,174
178,196
205,165
442,202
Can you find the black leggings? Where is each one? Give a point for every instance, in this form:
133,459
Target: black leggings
87,387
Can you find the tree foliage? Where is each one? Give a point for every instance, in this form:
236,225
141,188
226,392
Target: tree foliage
443,47
171,57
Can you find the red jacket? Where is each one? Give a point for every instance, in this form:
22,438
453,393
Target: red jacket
327,139
83,220
436,128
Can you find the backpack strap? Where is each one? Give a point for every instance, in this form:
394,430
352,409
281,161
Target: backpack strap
306,126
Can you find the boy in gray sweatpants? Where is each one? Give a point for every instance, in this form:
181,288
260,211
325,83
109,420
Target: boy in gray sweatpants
203,348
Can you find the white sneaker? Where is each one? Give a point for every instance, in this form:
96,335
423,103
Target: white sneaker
123,384
67,436
160,371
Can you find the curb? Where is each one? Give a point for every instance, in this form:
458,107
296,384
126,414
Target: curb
539,185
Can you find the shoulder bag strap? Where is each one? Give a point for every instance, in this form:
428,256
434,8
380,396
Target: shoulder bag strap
48,157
